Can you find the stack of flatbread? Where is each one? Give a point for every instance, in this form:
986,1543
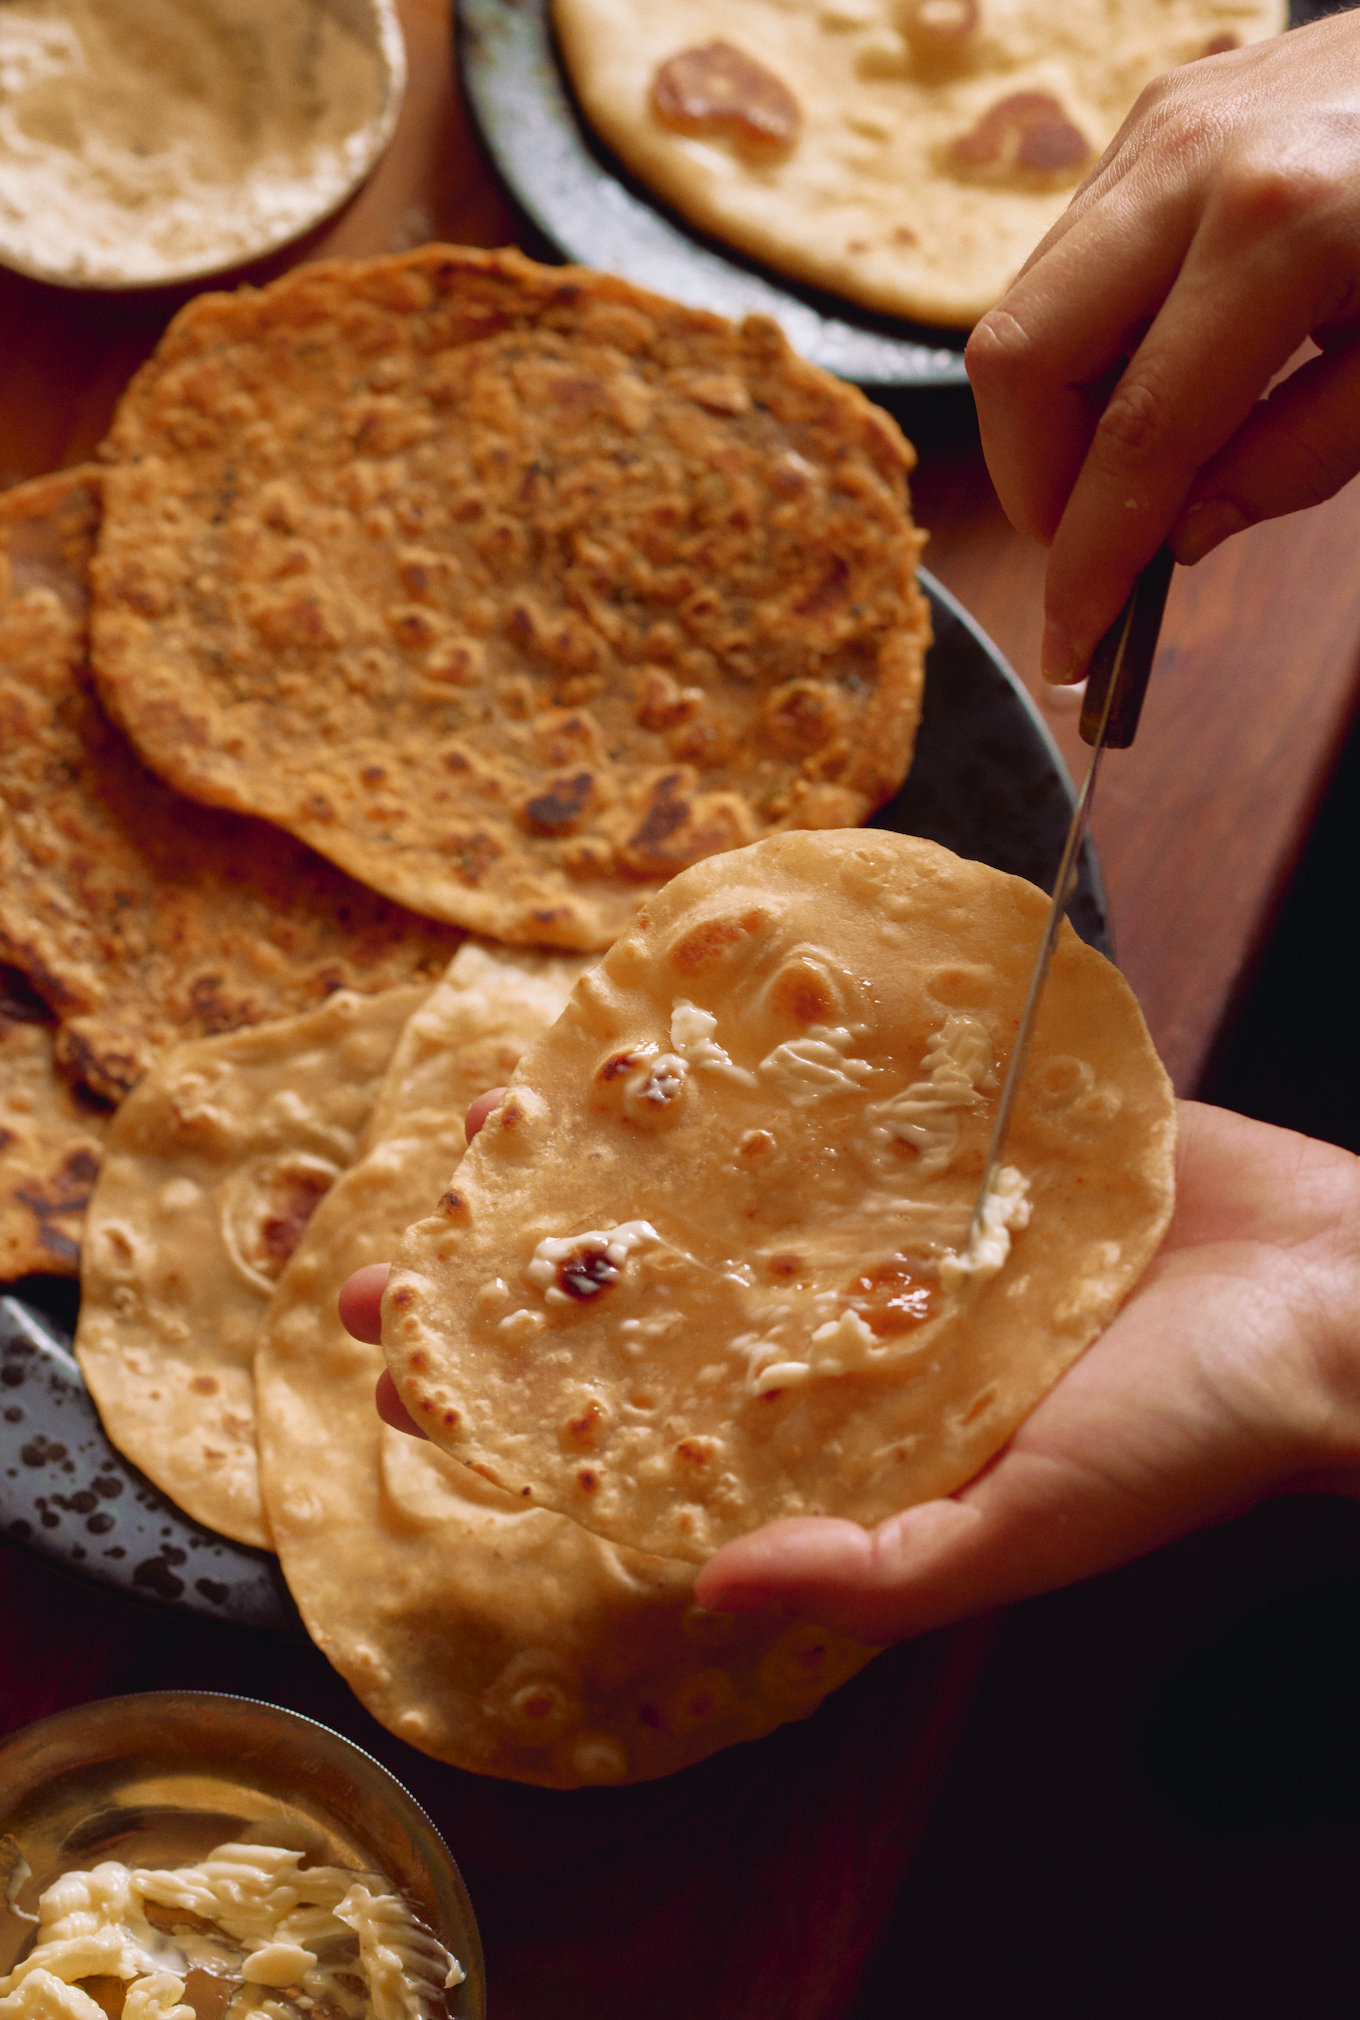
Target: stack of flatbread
413,596
485,1630
447,594
410,597
907,154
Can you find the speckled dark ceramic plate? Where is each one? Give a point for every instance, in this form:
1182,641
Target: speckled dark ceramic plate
68,1497
987,781
585,206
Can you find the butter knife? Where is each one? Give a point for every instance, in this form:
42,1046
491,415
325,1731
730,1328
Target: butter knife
1116,683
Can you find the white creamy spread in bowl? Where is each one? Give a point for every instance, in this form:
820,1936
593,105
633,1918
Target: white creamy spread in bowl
293,1940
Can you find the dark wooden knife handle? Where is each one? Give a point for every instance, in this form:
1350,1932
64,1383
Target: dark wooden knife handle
1125,655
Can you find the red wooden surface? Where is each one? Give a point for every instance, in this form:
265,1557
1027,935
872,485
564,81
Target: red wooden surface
753,1885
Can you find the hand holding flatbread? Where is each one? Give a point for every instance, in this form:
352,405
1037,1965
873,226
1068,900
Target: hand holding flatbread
1230,1375
702,1268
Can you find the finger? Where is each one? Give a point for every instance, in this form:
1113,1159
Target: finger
1191,100
387,1401
1044,362
1028,1527
360,1303
480,1109
1231,321
1125,1454
1103,272
1293,450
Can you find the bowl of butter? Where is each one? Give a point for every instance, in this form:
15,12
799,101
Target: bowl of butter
184,1856
144,143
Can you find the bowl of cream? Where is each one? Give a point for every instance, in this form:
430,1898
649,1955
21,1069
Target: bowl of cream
145,143
182,1851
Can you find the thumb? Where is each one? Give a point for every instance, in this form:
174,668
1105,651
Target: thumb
1091,1481
1293,450
1017,1531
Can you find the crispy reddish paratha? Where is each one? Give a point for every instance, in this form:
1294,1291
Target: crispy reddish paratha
701,1269
140,917
511,589
50,1142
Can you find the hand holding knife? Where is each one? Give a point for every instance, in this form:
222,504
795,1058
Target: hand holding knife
1116,683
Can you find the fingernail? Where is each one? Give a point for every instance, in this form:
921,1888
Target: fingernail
1059,661
1205,526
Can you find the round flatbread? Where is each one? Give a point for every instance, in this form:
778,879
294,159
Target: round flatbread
212,1168
491,1634
138,918
509,588
705,1266
908,154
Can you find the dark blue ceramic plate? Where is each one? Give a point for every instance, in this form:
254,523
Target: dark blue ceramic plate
987,781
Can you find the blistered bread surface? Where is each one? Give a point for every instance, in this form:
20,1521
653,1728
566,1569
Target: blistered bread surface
510,589
701,1269
213,1167
475,1624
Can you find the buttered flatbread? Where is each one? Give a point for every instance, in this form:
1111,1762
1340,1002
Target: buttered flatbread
213,1167
511,589
704,1266
908,154
485,1631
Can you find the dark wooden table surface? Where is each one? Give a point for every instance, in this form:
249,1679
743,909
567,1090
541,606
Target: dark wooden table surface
752,1887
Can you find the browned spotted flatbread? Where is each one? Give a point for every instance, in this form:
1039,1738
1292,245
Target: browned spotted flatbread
140,917
509,588
708,1263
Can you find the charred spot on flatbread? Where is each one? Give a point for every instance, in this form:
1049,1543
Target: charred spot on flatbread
940,31
479,576
1025,133
720,89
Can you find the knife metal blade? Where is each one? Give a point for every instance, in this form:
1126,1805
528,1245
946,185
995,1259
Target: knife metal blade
1116,683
